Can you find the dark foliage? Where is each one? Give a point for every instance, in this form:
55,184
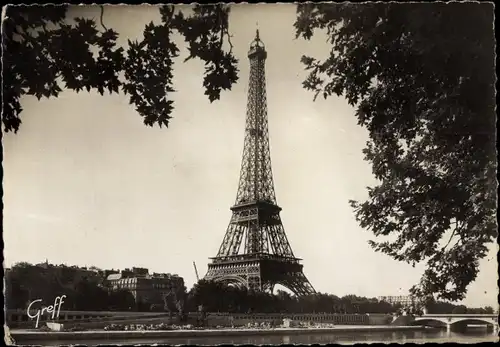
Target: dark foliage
422,79
83,289
217,297
42,52
87,291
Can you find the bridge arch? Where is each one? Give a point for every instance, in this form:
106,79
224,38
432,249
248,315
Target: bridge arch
473,321
431,322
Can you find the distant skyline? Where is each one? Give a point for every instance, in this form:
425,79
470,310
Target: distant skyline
86,183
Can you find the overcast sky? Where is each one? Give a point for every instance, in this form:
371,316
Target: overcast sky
86,183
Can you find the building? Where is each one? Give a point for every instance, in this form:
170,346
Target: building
403,300
147,289
68,275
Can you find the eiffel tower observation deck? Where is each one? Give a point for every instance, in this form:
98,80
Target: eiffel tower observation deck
255,252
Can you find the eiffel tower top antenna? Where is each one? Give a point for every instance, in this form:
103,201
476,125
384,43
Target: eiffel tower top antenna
257,42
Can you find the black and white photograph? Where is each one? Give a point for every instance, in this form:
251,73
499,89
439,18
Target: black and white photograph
249,174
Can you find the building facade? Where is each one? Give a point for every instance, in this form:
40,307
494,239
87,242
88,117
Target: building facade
403,300
147,289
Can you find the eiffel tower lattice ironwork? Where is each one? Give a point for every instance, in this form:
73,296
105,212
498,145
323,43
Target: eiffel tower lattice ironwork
255,252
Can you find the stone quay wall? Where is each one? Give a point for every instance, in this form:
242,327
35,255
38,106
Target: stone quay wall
19,319
224,319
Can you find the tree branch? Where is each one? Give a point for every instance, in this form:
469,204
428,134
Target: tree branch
452,234
316,94
229,40
224,31
102,14
221,37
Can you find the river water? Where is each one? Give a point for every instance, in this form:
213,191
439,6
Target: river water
431,335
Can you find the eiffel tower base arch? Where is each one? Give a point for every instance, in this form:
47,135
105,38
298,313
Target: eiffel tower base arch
261,274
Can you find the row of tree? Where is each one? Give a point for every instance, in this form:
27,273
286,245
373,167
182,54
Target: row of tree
446,307
26,282
215,296
84,291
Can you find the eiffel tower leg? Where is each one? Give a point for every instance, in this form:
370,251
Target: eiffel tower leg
299,284
267,287
254,278
254,283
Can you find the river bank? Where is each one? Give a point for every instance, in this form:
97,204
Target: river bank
33,335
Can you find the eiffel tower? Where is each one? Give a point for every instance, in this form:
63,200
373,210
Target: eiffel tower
255,252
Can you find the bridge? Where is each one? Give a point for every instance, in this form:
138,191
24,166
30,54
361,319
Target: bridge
456,320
